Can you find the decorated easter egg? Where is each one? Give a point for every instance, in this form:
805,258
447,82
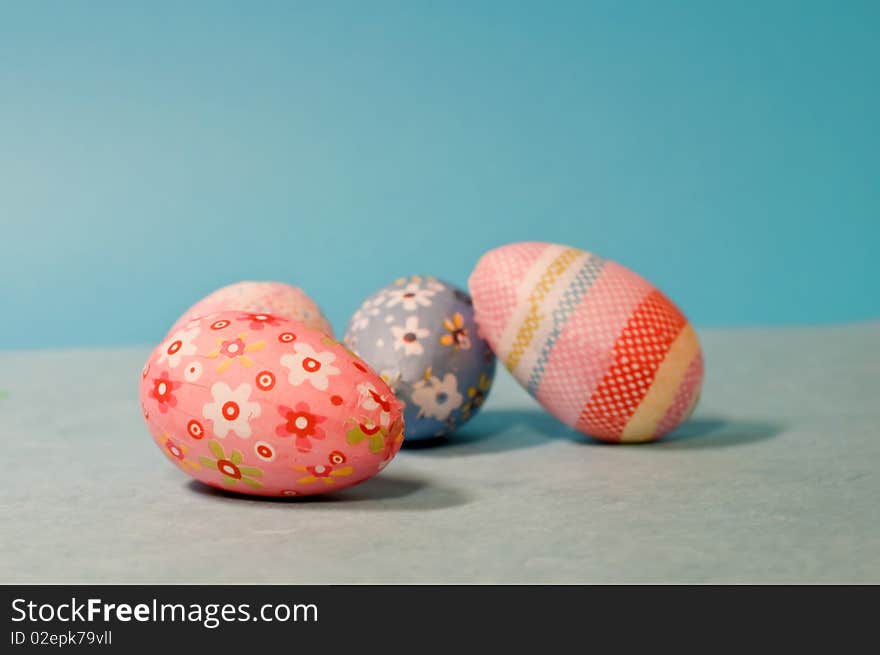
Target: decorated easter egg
260,299
419,334
597,345
277,409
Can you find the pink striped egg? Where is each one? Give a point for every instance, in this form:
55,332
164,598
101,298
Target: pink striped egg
260,299
597,345
271,409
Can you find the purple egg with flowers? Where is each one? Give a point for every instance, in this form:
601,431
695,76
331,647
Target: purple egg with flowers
419,334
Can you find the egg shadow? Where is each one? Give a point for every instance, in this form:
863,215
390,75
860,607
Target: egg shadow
385,492
499,430
493,431
718,432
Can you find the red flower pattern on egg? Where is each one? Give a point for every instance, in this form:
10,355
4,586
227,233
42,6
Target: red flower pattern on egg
163,391
259,321
302,424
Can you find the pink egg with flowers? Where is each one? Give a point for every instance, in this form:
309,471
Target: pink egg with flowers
260,299
271,409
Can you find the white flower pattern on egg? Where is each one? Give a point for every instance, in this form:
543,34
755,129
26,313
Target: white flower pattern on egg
231,410
193,371
410,297
308,365
179,345
407,337
435,398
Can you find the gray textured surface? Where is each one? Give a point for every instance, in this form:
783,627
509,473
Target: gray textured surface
774,480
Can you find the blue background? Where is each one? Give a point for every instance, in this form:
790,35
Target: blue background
728,152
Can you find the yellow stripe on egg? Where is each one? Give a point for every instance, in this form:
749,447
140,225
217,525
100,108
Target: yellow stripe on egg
521,300
667,380
534,316
546,323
